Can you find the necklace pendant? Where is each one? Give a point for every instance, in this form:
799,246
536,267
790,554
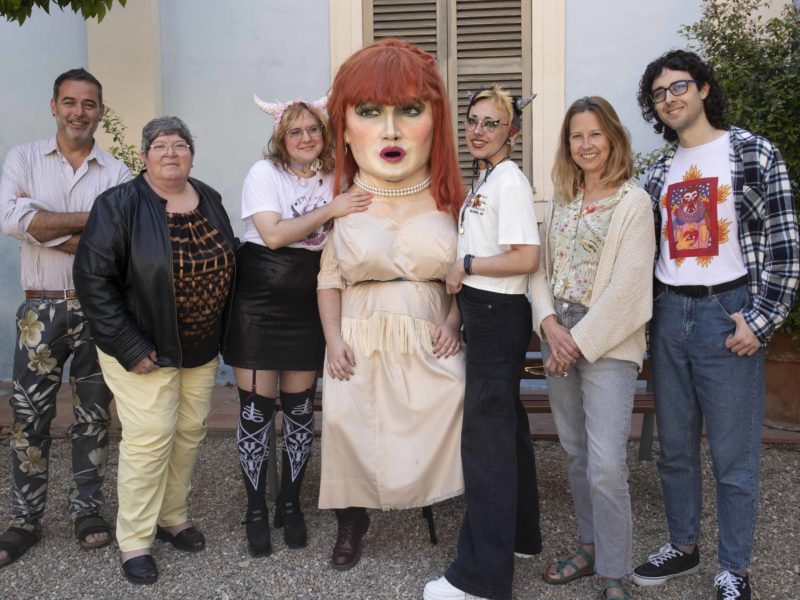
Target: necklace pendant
461,231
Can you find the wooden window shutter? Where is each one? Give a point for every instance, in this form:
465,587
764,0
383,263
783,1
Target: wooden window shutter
487,39
420,22
475,42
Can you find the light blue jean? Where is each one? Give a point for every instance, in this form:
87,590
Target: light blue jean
695,378
592,410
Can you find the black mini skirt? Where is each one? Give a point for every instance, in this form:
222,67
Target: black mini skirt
274,320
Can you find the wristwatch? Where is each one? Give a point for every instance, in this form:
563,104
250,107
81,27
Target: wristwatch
468,264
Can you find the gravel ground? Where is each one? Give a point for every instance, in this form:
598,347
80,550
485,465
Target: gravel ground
398,558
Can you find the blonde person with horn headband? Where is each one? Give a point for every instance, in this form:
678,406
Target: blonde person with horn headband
275,339
498,248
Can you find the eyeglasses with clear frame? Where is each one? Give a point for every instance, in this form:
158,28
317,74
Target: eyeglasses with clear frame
179,148
472,122
676,88
296,133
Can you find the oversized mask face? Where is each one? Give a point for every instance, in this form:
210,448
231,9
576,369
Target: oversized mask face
390,144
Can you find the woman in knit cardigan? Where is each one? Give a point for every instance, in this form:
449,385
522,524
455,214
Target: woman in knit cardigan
591,302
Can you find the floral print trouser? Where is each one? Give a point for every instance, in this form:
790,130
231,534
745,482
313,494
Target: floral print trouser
48,331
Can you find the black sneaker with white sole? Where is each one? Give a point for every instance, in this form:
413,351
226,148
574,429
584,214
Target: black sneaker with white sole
732,586
665,564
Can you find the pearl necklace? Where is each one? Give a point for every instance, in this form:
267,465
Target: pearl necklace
392,193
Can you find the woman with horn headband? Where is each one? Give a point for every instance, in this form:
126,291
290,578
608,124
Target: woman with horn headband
275,338
498,248
592,299
394,384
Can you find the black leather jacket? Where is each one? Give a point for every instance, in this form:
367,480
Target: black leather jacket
123,271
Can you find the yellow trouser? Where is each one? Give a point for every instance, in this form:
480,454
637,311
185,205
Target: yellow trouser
163,416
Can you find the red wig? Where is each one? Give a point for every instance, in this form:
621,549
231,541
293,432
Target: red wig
396,73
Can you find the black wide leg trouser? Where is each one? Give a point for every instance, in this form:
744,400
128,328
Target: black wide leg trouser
502,513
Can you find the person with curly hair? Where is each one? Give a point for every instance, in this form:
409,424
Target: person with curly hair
726,276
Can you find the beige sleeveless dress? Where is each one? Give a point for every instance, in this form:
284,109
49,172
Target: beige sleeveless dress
391,434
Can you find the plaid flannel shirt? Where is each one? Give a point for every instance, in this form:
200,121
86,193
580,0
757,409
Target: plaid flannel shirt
768,232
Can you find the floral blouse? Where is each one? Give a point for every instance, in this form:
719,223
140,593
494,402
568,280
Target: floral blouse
576,239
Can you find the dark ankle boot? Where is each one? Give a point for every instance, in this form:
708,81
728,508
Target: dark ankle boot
256,524
353,524
289,516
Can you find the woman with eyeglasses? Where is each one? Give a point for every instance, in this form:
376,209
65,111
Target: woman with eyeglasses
153,272
591,301
498,249
275,342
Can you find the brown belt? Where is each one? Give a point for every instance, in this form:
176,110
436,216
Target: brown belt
49,294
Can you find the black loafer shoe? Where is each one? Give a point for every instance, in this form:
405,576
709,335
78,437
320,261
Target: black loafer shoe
140,570
188,540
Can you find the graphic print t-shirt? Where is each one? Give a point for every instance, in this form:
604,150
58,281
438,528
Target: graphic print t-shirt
273,189
699,238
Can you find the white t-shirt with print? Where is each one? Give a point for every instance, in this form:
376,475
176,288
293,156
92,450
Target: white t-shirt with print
271,188
499,214
699,242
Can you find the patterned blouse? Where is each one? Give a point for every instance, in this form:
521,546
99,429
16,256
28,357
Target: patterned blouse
202,263
576,239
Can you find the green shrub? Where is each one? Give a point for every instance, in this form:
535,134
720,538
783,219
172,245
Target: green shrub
757,61
127,153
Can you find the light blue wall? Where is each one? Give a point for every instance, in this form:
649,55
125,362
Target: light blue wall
33,56
215,55
610,43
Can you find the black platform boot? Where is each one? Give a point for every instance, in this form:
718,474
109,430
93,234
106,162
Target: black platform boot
252,438
298,436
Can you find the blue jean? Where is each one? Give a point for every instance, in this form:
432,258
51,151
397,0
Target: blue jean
502,513
592,411
695,378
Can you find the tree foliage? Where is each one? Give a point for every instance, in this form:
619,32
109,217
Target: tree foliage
19,10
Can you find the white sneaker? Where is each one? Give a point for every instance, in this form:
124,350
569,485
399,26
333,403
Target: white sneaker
441,589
